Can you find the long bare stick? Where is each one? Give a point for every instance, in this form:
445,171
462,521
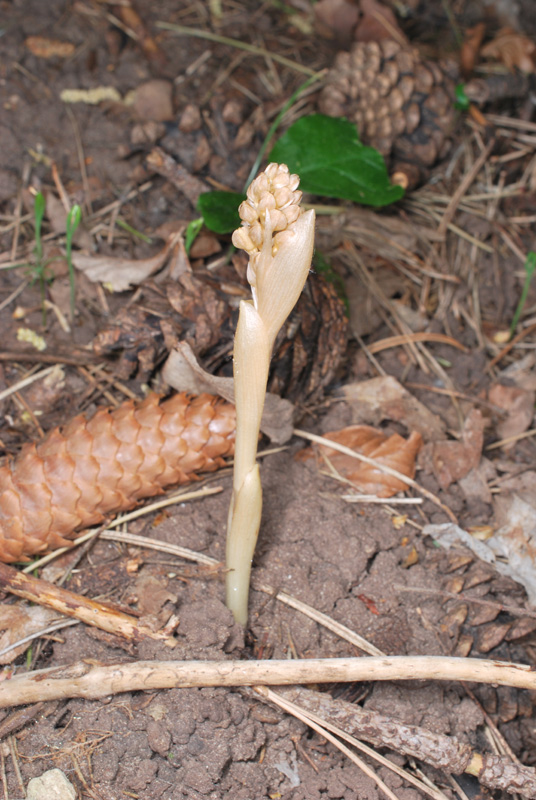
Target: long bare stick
84,680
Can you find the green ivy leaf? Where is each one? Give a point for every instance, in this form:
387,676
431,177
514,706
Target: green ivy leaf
331,161
220,210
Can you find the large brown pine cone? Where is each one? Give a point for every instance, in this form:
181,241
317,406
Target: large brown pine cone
90,468
403,106
197,309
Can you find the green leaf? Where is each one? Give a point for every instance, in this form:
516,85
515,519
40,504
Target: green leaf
220,210
530,268
191,233
73,221
39,213
331,161
461,101
39,209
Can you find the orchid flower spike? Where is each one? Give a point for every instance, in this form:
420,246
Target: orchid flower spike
278,237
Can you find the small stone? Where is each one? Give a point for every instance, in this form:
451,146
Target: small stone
153,101
147,132
190,119
233,111
51,785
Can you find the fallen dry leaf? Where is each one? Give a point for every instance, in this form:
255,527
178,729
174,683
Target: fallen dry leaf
453,460
384,398
470,49
18,622
43,47
150,595
337,18
120,274
515,50
512,548
392,451
183,373
378,22
519,405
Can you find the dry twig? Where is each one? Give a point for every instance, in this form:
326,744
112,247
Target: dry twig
440,751
85,680
91,612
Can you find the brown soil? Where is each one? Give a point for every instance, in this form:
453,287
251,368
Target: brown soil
354,562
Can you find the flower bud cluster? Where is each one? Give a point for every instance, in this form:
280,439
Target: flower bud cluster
274,191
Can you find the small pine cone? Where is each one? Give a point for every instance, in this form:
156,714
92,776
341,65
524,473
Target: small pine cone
90,468
402,106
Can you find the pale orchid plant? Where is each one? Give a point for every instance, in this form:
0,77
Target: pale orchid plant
278,237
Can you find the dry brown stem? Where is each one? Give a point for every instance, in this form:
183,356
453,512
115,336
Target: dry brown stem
84,680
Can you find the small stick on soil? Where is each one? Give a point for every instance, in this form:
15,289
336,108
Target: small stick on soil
25,382
249,48
440,751
74,358
14,722
91,612
405,338
175,173
85,680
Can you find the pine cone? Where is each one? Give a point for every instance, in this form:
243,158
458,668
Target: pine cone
402,106
307,352
90,468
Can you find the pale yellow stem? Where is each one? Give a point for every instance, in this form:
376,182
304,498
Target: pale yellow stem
251,363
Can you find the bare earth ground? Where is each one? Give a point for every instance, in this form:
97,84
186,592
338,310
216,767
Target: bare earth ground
351,561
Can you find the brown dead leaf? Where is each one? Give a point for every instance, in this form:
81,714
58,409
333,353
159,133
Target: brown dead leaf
18,622
451,460
120,274
183,373
392,451
43,47
383,398
337,18
470,49
514,50
519,405
378,22
150,594
205,245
